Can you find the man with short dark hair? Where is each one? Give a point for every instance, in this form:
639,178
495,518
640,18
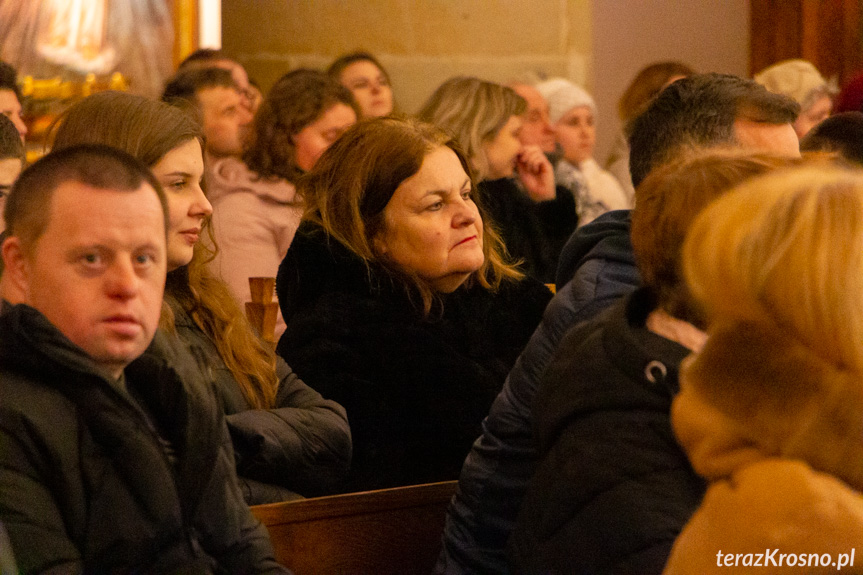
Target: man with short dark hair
706,111
596,269
225,117
115,457
215,58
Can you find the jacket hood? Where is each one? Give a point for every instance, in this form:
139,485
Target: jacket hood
640,355
228,175
606,238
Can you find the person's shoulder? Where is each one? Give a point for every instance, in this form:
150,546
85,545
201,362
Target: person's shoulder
605,238
786,504
228,176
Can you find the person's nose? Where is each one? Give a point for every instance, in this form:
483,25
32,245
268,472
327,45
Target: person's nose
122,279
201,206
376,88
245,115
466,214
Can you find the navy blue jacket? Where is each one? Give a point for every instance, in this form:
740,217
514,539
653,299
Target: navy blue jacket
613,488
596,269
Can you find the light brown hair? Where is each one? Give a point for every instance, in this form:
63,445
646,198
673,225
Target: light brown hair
646,85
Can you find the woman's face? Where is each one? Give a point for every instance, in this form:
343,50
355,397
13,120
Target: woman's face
315,138
501,152
180,172
812,116
432,226
576,134
370,88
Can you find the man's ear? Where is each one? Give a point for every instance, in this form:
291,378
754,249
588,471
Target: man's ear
16,275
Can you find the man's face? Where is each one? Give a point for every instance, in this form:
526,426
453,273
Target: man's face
777,139
536,129
226,120
11,108
97,273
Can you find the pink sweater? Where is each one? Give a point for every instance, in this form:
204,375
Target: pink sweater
254,221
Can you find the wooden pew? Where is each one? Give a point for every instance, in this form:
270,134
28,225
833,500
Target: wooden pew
262,310
386,532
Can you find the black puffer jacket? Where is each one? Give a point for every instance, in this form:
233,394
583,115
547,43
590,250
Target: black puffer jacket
415,389
613,488
302,446
85,481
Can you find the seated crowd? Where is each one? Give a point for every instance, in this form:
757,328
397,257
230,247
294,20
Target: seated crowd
690,380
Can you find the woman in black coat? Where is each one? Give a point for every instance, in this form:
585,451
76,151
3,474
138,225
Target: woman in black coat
398,302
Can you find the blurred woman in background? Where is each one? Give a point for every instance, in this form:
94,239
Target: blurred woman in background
572,112
368,81
255,207
649,82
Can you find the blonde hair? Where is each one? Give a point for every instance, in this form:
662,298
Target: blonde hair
786,250
472,111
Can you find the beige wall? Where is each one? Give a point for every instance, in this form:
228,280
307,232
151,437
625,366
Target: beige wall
420,42
600,44
709,35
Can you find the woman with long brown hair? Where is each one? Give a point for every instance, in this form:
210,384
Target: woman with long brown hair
534,218
399,301
286,437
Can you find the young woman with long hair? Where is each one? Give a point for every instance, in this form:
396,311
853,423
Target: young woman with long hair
287,438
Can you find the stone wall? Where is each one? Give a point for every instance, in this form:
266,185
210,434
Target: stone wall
420,42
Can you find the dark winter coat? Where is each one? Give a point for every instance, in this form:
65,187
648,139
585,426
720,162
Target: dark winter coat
613,489
415,389
598,259
532,231
86,483
302,446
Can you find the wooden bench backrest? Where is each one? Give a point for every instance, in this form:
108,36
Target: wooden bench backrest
390,531
262,310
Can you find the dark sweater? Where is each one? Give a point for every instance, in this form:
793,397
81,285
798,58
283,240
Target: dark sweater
415,389
598,260
532,231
